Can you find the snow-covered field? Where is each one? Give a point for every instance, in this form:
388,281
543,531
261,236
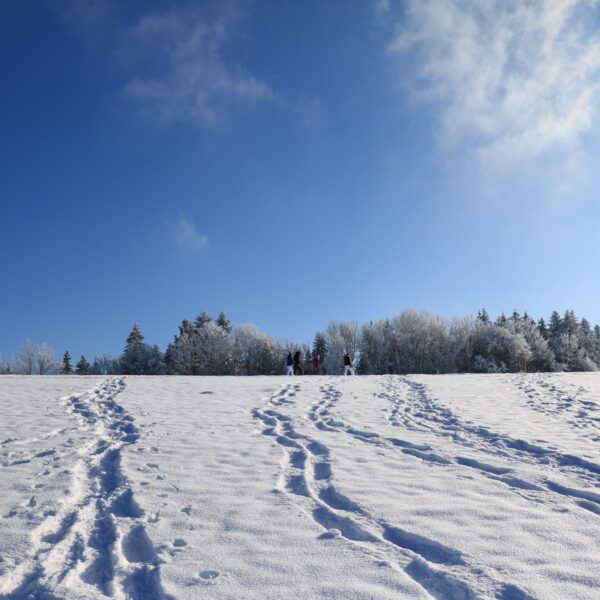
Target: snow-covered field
458,486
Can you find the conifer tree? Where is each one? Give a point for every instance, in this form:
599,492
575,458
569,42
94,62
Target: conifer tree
82,367
66,369
570,324
224,323
542,328
202,319
501,321
134,360
482,315
319,347
555,327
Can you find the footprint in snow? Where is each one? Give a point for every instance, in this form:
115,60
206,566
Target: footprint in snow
187,510
209,577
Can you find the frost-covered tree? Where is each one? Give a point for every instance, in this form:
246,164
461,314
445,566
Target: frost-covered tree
224,323
413,342
66,368
501,321
25,359
540,356
82,367
424,343
256,353
461,340
105,365
46,362
156,362
214,350
135,357
202,319
555,327
4,367
183,352
373,355
498,349
482,315
340,338
570,325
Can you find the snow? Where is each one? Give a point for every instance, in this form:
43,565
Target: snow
451,486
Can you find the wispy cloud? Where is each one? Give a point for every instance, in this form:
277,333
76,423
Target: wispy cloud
188,79
183,233
510,81
182,64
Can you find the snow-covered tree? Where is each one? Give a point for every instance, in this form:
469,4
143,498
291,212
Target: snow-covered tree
482,315
183,353
540,356
105,365
25,359
4,367
134,360
46,360
214,350
340,338
224,323
498,349
202,319
256,353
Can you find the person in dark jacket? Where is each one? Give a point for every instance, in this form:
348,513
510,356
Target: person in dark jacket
298,370
348,365
289,365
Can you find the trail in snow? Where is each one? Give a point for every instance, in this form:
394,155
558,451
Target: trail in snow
374,487
442,571
414,409
96,540
570,403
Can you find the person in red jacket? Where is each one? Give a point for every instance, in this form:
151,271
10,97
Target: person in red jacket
316,365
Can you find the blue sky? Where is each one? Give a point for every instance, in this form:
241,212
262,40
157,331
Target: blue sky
293,163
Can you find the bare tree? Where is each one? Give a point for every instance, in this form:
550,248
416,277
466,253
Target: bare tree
24,361
46,360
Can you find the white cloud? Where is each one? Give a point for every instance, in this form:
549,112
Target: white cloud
190,81
184,234
510,81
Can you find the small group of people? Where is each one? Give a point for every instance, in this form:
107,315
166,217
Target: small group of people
294,364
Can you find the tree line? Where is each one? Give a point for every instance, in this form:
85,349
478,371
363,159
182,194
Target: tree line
412,342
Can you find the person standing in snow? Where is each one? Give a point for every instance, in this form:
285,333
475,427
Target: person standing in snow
316,365
348,365
298,370
289,364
